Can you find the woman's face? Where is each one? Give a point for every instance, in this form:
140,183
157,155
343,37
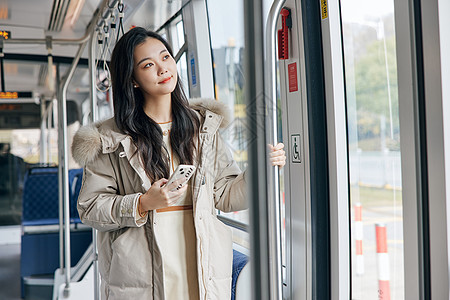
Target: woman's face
155,70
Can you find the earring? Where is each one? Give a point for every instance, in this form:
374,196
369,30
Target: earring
135,85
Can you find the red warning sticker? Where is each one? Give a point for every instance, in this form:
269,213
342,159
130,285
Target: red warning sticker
292,73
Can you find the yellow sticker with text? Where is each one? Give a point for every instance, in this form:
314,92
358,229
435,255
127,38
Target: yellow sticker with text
324,9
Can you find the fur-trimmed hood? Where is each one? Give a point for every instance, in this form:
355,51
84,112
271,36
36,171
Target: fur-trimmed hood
219,108
104,136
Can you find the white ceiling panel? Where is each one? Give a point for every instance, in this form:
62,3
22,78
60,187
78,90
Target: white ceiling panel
29,19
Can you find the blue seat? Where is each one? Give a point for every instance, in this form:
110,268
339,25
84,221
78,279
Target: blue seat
40,196
40,208
239,262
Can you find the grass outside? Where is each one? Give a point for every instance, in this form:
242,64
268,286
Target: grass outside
370,196
374,144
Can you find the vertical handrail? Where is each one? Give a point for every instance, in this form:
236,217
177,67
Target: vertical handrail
64,213
52,113
273,186
56,112
93,118
43,133
63,164
44,110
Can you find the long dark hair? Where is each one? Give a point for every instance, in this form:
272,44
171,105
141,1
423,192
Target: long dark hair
131,119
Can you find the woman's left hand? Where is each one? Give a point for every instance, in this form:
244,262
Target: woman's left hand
277,155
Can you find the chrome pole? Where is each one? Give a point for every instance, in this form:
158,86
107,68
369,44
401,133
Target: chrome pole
62,140
63,164
44,110
63,172
93,118
43,133
273,187
52,115
56,114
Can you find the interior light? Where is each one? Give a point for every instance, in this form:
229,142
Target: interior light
4,11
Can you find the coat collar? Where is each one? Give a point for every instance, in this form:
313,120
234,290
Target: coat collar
105,136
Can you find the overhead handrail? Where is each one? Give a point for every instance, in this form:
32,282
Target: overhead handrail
273,186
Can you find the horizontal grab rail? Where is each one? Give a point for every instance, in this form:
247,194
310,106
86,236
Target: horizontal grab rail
233,223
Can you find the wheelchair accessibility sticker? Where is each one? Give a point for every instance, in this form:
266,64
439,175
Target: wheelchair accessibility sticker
296,156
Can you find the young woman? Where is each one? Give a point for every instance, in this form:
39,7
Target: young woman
156,242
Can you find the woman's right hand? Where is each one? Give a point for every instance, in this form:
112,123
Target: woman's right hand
160,195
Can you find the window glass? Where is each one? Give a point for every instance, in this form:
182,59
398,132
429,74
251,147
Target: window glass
175,37
180,33
374,149
227,42
18,148
181,63
28,129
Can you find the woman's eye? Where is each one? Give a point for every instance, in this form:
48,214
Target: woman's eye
148,65
166,56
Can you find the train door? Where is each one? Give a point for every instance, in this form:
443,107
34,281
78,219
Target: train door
306,242
375,208
280,109
384,238
363,119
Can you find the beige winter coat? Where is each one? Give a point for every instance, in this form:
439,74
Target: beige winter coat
129,259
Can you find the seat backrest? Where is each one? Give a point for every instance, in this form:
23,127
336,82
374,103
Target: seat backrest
40,196
239,262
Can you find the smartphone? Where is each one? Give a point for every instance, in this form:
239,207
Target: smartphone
182,174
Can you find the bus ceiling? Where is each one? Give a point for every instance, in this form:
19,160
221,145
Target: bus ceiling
32,32
64,19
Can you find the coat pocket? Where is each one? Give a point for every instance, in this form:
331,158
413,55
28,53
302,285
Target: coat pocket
131,261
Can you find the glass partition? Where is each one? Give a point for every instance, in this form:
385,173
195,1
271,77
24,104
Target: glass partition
227,43
374,149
